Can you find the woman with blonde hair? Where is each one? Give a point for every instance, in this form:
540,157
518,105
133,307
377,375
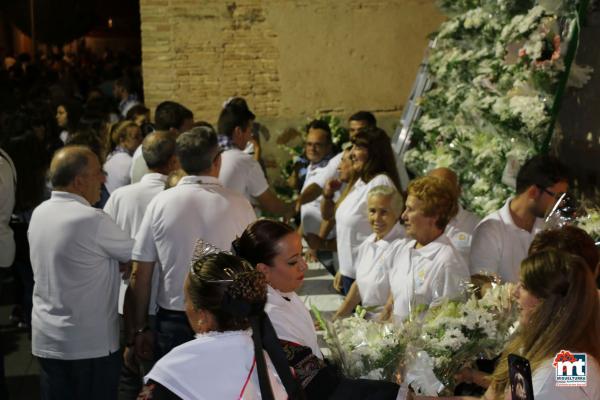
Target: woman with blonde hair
425,268
559,311
124,139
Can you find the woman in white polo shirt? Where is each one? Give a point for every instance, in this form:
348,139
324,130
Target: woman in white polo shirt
374,165
371,288
125,137
425,268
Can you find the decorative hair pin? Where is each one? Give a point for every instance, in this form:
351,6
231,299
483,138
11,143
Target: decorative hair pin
226,103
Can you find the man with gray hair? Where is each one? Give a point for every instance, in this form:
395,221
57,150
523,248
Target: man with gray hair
199,207
75,254
127,206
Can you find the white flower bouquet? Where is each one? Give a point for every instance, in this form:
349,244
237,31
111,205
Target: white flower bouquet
455,334
364,348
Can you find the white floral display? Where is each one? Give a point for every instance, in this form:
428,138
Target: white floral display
496,65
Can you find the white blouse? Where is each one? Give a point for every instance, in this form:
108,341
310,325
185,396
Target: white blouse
291,319
371,275
216,365
352,223
424,276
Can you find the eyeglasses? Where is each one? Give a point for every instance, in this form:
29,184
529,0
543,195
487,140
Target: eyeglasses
554,195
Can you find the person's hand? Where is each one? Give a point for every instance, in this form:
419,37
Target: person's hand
129,358
311,255
125,269
144,345
385,314
313,240
332,186
337,282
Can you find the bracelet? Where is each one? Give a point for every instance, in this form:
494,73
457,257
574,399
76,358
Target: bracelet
141,330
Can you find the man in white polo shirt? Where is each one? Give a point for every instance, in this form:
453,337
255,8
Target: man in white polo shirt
460,228
199,207
75,253
240,172
126,206
501,240
168,117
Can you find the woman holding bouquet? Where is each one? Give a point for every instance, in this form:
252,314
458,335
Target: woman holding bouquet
426,268
559,311
275,249
371,288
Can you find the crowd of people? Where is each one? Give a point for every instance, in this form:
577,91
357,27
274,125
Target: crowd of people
147,272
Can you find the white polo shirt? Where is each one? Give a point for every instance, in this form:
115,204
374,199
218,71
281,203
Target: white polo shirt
499,246
460,231
139,168
310,213
424,276
241,173
75,253
8,181
117,167
126,206
197,208
352,224
371,273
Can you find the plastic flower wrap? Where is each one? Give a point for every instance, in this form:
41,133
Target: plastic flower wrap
590,222
364,348
458,333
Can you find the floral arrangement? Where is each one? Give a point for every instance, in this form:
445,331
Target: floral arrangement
590,222
454,334
429,348
496,66
364,348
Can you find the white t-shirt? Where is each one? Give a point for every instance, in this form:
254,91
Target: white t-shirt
424,276
75,255
241,173
291,320
117,167
460,231
310,213
139,168
371,274
352,223
126,206
197,208
498,245
215,365
8,180
544,383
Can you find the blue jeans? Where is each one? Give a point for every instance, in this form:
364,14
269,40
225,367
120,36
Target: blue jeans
172,329
346,284
90,379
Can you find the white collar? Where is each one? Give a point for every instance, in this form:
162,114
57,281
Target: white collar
431,248
62,195
201,179
154,177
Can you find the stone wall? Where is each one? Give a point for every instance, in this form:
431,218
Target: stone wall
289,58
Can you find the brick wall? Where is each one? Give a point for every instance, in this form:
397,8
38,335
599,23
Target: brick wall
289,58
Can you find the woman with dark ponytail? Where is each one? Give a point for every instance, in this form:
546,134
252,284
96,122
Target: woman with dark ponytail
275,249
224,301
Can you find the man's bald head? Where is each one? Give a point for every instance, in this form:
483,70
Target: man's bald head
158,148
67,163
446,174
